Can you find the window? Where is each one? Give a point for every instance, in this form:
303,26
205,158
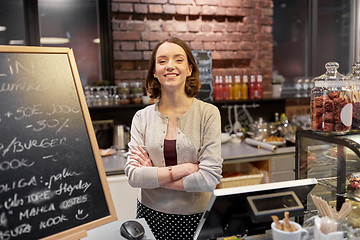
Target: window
73,24
308,34
81,25
12,27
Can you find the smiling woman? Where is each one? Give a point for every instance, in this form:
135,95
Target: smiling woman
181,163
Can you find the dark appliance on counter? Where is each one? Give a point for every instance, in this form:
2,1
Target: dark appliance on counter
240,210
108,134
104,133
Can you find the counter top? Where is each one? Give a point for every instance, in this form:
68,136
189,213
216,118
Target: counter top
114,164
231,151
111,231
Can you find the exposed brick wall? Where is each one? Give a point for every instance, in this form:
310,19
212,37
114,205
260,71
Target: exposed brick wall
238,33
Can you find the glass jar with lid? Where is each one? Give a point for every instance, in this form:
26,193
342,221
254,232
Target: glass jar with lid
354,81
136,87
331,102
123,88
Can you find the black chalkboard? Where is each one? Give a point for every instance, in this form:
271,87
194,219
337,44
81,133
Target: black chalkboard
52,181
204,63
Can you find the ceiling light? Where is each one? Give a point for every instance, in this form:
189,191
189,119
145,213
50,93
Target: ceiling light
16,42
2,28
53,40
96,40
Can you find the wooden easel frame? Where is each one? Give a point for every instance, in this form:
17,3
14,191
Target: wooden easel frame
79,231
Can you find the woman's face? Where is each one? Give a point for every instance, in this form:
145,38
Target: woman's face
171,66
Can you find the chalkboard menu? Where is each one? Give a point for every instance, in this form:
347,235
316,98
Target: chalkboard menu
204,63
52,181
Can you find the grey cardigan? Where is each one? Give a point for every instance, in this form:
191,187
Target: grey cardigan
198,141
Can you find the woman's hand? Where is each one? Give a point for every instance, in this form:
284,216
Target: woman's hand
189,168
141,156
178,172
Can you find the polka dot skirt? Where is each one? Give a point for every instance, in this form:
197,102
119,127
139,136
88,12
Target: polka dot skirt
169,226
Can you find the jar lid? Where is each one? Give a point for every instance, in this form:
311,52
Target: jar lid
331,73
331,83
123,84
354,82
355,73
137,95
124,96
136,84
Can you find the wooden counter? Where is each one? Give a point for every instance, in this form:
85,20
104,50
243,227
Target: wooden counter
278,165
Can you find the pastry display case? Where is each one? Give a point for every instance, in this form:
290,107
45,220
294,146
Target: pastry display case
334,160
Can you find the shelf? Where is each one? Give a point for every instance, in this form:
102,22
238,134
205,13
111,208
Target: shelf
329,158
109,107
215,102
344,140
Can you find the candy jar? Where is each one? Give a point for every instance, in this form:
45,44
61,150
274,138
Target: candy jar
331,102
354,81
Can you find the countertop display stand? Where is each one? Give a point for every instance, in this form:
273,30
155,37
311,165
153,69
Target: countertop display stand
307,139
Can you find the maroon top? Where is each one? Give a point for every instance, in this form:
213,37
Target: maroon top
170,152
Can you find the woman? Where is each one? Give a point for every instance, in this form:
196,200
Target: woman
175,145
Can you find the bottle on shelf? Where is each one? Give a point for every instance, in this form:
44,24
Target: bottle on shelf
231,88
259,87
244,87
221,88
283,118
252,87
276,125
277,119
226,89
216,88
237,88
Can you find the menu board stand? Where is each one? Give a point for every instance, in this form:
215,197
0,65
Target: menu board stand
75,236
204,62
52,180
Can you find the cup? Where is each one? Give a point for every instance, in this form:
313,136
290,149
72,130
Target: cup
318,235
145,100
276,90
299,234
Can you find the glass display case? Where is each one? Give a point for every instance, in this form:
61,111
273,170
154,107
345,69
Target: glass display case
334,161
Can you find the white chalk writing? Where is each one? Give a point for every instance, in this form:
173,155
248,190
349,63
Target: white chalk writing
68,188
16,146
49,123
62,109
52,221
34,211
29,111
40,196
80,215
15,164
60,176
16,232
11,87
5,187
13,202
73,201
3,220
